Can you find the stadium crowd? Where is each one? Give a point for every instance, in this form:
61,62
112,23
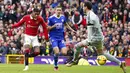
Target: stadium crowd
114,16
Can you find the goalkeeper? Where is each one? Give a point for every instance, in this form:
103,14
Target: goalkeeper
95,38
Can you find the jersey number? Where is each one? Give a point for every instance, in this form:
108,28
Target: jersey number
58,25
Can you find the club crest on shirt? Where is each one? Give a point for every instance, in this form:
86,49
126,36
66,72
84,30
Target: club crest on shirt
63,41
36,22
62,20
28,21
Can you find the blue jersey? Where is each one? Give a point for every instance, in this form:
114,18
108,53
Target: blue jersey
57,32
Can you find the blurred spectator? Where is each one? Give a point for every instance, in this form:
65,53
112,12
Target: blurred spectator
13,48
48,48
94,6
76,19
4,49
129,17
115,15
7,1
54,4
125,16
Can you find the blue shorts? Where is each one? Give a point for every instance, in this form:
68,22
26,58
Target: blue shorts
57,43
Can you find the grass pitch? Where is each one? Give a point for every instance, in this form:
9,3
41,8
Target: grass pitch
36,68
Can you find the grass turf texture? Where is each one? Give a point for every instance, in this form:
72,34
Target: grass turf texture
36,68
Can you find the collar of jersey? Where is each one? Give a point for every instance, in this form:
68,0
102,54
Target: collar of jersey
31,17
88,12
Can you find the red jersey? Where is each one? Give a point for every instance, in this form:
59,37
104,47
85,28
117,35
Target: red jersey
31,25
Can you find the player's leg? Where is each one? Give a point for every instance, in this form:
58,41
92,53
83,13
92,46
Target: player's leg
64,51
36,51
77,48
54,44
27,43
26,55
36,48
99,46
56,54
63,48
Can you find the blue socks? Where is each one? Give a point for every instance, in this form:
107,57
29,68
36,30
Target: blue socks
55,60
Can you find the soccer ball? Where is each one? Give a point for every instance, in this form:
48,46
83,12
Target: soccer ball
101,59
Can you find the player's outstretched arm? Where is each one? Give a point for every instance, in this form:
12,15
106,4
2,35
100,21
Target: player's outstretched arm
45,29
21,22
67,25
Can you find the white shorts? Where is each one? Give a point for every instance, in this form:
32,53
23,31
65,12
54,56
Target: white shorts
31,40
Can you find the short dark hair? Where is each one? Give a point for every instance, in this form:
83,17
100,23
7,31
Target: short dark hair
88,4
36,10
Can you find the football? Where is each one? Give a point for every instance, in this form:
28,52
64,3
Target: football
101,59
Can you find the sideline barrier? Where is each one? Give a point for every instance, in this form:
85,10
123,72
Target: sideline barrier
92,61
49,60
19,59
62,60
